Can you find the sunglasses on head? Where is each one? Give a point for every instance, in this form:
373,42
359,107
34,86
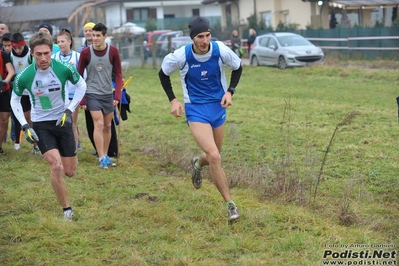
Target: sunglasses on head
66,30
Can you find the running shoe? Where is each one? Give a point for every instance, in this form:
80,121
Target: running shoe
103,163
68,214
79,146
232,212
17,146
109,161
36,150
2,151
196,177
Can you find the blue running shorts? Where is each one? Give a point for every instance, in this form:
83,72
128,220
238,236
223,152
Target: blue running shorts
209,113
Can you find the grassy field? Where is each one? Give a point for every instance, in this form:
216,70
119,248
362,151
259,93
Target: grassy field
286,131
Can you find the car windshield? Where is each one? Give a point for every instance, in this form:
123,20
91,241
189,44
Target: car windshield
293,40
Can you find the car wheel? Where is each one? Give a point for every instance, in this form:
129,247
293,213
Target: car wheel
254,61
281,63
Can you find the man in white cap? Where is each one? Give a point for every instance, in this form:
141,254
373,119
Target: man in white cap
206,97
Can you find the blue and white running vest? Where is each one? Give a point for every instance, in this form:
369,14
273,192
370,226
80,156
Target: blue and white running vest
203,79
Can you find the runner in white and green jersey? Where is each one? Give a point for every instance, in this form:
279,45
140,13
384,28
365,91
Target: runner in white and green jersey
51,111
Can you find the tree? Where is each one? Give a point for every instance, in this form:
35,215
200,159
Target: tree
257,24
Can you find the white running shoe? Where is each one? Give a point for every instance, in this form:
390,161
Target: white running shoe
17,146
68,215
232,212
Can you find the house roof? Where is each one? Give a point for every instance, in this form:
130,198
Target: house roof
44,12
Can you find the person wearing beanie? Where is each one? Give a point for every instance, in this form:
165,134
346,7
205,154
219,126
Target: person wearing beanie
47,28
88,33
44,27
206,98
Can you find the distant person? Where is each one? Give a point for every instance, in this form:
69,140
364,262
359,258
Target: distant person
113,146
51,115
3,30
235,41
6,75
206,98
21,58
66,54
101,61
333,21
6,42
251,39
45,27
88,34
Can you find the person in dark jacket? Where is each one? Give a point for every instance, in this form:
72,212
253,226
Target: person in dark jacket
251,39
235,41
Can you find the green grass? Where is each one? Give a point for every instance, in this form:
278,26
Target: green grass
146,212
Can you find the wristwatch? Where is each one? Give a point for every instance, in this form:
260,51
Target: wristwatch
231,90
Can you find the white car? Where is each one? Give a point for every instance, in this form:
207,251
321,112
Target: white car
284,49
130,28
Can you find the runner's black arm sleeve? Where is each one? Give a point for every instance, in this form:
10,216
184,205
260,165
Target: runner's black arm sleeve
166,85
235,77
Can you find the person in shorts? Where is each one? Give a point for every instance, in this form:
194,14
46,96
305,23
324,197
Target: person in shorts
206,98
102,62
51,114
6,75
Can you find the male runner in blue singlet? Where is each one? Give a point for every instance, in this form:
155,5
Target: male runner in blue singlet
206,97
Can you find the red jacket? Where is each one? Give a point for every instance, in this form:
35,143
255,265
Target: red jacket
3,71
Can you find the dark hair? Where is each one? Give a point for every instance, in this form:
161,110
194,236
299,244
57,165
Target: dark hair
40,38
66,32
17,37
6,37
100,27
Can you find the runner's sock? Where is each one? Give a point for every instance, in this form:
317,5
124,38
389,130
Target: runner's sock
230,202
197,165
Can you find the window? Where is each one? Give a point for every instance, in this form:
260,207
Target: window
263,41
267,17
287,18
196,12
272,41
140,13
